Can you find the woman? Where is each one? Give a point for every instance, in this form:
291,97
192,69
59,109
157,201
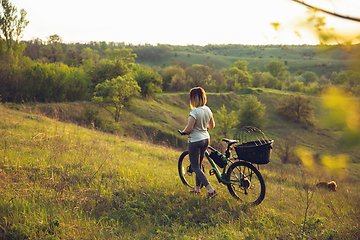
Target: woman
200,120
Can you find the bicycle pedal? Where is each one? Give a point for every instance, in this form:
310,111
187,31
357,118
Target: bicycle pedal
212,172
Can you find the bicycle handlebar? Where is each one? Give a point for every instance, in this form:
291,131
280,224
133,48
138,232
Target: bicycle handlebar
181,132
211,148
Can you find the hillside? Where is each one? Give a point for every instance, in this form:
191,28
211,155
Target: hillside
318,59
60,180
156,121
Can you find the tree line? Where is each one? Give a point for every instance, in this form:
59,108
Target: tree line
52,71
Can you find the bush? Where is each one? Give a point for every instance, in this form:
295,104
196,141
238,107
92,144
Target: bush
252,113
297,108
89,116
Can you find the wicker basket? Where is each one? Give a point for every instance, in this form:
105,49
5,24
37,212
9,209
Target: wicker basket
257,152
254,147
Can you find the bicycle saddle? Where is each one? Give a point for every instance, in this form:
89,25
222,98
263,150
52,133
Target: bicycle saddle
228,141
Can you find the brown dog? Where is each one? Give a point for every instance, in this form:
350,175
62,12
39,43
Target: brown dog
330,185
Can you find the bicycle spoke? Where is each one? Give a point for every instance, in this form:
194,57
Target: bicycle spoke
246,183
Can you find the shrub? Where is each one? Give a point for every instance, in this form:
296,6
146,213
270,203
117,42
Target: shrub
297,108
252,113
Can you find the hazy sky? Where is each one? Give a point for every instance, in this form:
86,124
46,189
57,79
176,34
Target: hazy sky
174,22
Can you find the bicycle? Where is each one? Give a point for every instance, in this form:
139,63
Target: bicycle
243,180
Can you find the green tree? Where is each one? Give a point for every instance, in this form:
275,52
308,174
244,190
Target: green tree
225,122
241,65
309,77
78,85
125,54
197,75
236,77
120,63
297,108
88,53
178,84
149,81
259,80
341,78
271,82
55,83
12,66
168,73
252,113
276,68
53,50
11,24
113,94
296,86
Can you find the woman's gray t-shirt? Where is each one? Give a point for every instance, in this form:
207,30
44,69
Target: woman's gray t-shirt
202,117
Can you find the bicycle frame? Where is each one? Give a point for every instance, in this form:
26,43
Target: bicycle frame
219,175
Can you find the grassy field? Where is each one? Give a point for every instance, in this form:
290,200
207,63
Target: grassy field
62,181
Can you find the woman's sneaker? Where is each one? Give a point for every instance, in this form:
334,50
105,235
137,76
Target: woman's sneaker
211,195
193,191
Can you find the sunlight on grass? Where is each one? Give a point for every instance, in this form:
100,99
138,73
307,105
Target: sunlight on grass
62,181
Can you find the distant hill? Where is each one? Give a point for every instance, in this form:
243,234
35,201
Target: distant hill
319,59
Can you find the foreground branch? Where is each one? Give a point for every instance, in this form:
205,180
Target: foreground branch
328,12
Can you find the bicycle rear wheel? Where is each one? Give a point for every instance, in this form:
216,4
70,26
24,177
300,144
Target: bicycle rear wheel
187,175
247,183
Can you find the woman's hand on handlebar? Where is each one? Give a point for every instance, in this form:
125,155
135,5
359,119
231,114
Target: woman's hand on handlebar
181,132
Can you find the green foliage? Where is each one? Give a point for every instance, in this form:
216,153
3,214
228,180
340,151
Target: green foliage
312,89
297,108
55,83
152,53
237,76
252,113
149,81
259,80
169,73
113,94
79,85
309,77
271,81
341,78
11,72
90,116
118,63
11,25
241,65
225,122
200,75
53,51
107,69
197,75
276,68
296,86
125,55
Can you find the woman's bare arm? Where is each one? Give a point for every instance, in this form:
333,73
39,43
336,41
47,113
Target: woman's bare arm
211,123
191,122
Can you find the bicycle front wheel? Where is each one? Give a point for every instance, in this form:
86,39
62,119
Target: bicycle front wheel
247,183
187,175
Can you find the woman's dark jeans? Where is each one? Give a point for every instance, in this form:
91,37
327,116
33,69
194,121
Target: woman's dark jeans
196,155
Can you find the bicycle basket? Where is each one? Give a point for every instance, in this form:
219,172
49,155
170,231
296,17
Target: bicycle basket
254,147
256,152
217,159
